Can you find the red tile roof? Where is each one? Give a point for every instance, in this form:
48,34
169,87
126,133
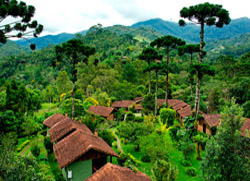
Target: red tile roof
174,103
65,127
122,104
212,119
138,99
246,126
111,172
52,120
75,145
101,110
138,107
185,111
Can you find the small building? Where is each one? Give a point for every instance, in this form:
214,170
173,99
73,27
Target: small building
80,154
182,109
78,151
55,118
123,104
111,172
207,122
106,112
65,128
246,128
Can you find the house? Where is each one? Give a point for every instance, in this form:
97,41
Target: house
246,127
111,172
80,154
64,128
52,120
78,151
106,112
123,104
207,122
182,109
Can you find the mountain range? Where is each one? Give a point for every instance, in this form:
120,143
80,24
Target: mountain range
148,31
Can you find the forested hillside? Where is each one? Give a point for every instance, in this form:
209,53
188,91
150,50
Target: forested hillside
154,100
191,33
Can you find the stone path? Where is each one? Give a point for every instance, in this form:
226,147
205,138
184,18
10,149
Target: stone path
118,142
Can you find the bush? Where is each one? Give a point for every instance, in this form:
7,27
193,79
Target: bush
139,119
35,150
173,133
186,163
126,159
188,150
107,136
163,170
145,158
130,117
48,145
167,116
191,172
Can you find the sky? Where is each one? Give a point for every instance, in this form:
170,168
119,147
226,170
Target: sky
73,16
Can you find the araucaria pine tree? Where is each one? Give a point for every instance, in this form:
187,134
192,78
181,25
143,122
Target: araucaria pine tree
73,52
169,43
204,14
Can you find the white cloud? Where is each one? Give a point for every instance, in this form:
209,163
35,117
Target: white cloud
76,15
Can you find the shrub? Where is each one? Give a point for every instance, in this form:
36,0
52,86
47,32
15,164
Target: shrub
188,150
145,158
48,145
35,150
191,171
163,170
130,117
107,136
173,133
139,119
167,116
186,163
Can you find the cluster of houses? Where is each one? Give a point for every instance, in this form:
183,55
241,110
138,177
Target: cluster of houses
83,155
205,124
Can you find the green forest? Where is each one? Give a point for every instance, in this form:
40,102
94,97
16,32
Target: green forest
111,64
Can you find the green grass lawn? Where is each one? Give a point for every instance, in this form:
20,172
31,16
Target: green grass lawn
175,156
47,107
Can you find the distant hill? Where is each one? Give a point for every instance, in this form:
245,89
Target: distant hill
191,31
235,46
151,29
11,48
140,33
44,41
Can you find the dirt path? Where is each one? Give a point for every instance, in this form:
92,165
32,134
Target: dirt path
118,142
25,149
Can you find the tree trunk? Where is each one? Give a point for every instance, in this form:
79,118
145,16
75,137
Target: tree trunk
191,80
156,91
191,88
73,101
166,97
149,83
73,91
197,96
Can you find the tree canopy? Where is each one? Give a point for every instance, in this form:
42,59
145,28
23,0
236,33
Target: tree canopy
23,27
